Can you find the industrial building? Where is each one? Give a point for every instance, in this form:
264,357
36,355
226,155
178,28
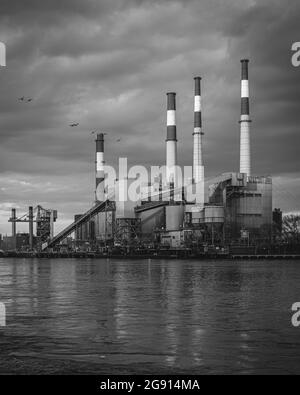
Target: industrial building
44,220
230,209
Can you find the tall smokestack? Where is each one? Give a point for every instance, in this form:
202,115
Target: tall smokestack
30,219
13,223
245,154
198,168
100,167
171,141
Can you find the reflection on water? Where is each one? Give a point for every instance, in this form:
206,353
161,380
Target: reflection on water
149,316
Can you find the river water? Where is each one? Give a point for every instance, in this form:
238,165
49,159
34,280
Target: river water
149,316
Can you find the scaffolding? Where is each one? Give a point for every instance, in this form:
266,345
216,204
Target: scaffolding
127,230
44,219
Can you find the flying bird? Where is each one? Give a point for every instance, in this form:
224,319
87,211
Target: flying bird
23,98
73,124
118,140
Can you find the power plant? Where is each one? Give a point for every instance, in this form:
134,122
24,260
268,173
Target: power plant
232,210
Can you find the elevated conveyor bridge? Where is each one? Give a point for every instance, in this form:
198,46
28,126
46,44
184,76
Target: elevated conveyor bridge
97,208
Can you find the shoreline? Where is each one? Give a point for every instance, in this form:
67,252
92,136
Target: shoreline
171,255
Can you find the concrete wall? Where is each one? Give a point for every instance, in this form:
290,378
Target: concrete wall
174,217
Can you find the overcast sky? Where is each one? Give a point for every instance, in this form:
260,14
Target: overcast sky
108,65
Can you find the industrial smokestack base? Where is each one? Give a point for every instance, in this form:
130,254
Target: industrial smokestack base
171,141
245,150
198,168
100,195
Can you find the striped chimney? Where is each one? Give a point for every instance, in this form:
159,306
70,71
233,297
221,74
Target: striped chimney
100,167
171,141
198,169
245,153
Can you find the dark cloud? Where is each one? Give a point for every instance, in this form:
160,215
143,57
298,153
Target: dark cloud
107,65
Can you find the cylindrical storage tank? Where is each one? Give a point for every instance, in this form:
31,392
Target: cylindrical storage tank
174,217
214,214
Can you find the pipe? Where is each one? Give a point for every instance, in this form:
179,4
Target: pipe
100,196
171,141
198,168
245,149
